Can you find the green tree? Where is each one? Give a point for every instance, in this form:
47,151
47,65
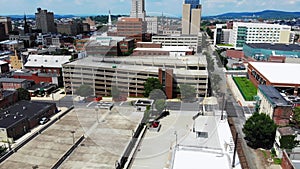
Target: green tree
151,84
288,142
157,94
188,92
160,105
296,116
84,90
260,131
23,94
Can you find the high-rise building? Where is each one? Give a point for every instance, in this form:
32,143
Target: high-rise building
138,9
152,25
132,28
259,33
6,21
45,21
191,17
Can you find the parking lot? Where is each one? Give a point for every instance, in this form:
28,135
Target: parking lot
109,133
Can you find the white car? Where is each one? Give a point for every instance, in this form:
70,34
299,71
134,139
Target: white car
44,120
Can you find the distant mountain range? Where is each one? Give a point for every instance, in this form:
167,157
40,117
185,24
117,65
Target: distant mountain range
33,16
267,14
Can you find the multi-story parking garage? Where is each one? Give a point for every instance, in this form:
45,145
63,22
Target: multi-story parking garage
130,73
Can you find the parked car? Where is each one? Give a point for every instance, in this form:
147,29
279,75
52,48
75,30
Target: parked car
44,120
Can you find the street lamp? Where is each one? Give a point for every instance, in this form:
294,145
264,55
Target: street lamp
73,133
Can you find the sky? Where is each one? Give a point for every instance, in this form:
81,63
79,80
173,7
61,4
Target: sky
153,7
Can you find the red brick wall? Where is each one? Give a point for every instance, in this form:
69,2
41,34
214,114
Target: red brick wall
10,100
169,83
286,163
149,45
7,86
281,115
35,78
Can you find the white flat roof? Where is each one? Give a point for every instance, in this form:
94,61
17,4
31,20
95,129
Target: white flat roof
200,159
167,48
278,72
53,61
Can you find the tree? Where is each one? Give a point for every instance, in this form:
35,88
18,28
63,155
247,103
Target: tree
188,92
288,142
151,84
160,105
260,131
296,116
157,94
84,90
23,94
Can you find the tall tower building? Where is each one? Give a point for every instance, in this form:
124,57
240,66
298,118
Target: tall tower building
191,17
45,21
6,21
138,9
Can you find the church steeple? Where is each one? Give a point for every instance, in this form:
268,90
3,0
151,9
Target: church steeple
109,20
26,27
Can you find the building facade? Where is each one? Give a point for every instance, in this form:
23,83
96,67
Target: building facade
272,103
13,83
132,28
280,75
259,33
193,41
6,21
191,17
20,118
263,51
129,74
138,9
152,25
45,21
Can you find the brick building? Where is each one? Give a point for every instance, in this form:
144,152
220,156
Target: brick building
8,97
4,68
132,28
37,77
20,118
274,105
280,75
13,83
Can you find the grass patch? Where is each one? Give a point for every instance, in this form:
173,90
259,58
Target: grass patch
277,161
246,87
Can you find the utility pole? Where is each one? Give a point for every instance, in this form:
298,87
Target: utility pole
235,148
223,105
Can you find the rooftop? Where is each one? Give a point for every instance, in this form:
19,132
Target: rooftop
52,61
273,95
11,80
278,72
213,151
276,46
235,54
138,63
19,111
286,131
3,62
167,48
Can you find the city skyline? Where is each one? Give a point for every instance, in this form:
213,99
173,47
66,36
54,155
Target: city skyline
153,7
